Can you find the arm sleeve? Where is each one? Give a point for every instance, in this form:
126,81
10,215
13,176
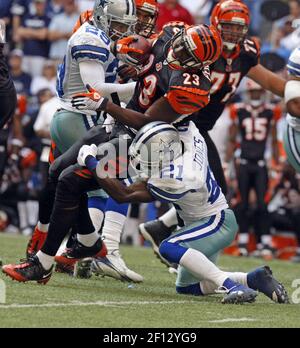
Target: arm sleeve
92,73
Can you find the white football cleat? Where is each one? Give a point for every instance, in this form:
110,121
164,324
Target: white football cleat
112,265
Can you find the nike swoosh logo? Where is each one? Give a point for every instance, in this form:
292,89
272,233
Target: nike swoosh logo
47,275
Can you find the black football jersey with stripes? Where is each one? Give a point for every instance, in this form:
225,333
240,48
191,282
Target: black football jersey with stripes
226,75
186,92
254,126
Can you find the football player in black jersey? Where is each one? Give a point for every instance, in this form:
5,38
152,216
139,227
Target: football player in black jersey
173,83
239,58
253,120
8,98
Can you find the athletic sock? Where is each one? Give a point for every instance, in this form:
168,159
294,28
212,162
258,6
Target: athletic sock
239,277
169,218
88,240
46,260
42,227
112,229
199,265
115,217
96,207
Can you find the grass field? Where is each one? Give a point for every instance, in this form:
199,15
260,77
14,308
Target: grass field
105,302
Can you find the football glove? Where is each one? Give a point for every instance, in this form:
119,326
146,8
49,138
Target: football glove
84,152
121,50
108,124
91,100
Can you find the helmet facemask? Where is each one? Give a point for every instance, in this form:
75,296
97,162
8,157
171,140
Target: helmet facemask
119,28
150,161
233,33
99,18
180,55
146,21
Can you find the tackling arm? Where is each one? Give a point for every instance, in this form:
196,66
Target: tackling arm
135,193
92,73
161,110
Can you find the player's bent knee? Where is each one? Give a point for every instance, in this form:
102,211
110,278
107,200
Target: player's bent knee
172,252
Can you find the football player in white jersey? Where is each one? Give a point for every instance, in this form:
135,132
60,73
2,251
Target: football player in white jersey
172,166
88,60
292,100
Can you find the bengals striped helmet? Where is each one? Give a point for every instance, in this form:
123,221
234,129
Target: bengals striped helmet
194,47
147,13
232,19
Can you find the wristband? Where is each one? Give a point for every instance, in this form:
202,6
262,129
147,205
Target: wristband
91,162
103,104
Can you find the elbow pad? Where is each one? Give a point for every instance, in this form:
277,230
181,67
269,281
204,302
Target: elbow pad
292,90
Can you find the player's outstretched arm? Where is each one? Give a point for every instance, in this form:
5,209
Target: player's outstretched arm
267,79
135,193
92,74
161,110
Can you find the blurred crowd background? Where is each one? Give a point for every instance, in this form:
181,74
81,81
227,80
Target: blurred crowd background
37,35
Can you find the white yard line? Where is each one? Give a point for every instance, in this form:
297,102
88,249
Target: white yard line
231,320
97,303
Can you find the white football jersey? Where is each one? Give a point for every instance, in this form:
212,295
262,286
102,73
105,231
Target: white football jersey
293,66
88,43
189,183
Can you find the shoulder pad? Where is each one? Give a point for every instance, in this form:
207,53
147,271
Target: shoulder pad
91,45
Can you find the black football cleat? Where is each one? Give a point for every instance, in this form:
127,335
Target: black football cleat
262,279
79,251
239,294
28,270
155,232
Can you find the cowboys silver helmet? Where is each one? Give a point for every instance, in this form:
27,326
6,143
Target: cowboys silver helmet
120,14
154,147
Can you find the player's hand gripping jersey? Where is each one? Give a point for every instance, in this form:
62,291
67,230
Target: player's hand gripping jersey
189,183
88,43
226,75
187,92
